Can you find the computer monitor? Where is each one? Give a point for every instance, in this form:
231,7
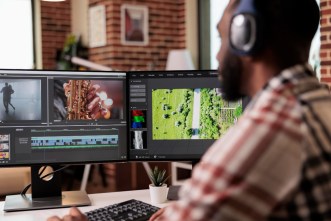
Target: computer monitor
176,115
58,118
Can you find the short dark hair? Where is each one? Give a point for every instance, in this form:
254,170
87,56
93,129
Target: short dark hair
288,25
298,17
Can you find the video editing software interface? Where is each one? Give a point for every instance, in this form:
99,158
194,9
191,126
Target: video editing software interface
62,117
176,115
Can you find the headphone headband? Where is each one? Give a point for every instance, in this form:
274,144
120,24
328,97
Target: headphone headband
245,7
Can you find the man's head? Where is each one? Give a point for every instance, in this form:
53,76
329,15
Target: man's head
6,83
286,28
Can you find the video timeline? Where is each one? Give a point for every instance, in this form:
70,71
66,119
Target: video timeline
76,142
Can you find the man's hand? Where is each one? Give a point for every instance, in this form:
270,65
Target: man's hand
157,214
94,102
74,215
96,105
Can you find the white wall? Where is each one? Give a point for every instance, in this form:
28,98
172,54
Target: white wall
79,19
192,35
38,38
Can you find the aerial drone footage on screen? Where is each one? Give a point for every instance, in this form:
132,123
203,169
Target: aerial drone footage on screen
191,114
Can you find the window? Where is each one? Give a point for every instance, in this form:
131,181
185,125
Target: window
16,39
216,11
210,13
314,57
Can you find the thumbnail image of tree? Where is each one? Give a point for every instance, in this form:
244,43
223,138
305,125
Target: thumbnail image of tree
172,114
216,114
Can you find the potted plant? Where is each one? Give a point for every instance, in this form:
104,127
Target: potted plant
158,188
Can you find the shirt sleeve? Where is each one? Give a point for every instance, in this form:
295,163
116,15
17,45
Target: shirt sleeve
244,175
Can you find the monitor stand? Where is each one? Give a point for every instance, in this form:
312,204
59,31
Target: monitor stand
46,194
173,190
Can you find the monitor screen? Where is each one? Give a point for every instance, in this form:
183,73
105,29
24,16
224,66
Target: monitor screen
176,115
62,117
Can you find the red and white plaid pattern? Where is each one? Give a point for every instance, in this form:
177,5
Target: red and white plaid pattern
271,164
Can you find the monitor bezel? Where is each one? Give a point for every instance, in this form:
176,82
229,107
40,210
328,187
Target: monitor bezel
197,159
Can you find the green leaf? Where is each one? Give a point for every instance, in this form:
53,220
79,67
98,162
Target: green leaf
158,177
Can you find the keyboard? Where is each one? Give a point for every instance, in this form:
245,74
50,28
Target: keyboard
133,210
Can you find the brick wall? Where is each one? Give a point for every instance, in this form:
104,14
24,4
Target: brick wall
325,52
166,31
55,27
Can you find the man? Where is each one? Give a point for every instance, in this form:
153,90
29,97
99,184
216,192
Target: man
7,92
9,100
274,164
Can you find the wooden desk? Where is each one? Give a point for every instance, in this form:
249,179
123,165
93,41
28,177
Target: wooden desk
98,200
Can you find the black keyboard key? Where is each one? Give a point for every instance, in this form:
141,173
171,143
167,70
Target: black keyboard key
133,210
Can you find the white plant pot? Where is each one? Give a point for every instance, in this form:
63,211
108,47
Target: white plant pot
158,193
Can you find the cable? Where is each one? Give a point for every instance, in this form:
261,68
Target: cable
42,170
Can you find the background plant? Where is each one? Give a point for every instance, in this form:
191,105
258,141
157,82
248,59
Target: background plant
158,177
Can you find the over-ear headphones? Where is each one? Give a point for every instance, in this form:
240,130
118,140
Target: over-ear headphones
245,29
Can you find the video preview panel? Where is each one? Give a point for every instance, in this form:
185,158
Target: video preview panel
21,100
191,113
85,99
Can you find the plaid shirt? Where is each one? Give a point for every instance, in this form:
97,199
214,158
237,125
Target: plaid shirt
274,164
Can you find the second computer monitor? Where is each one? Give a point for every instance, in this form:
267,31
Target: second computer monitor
176,115
62,117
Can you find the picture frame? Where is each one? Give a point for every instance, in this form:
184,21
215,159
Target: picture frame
134,25
97,26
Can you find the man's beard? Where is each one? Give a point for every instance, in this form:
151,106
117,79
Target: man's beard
231,74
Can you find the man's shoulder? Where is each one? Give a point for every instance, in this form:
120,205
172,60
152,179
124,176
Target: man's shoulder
276,101
275,110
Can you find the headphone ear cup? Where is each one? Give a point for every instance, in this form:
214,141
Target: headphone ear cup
243,34
245,29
